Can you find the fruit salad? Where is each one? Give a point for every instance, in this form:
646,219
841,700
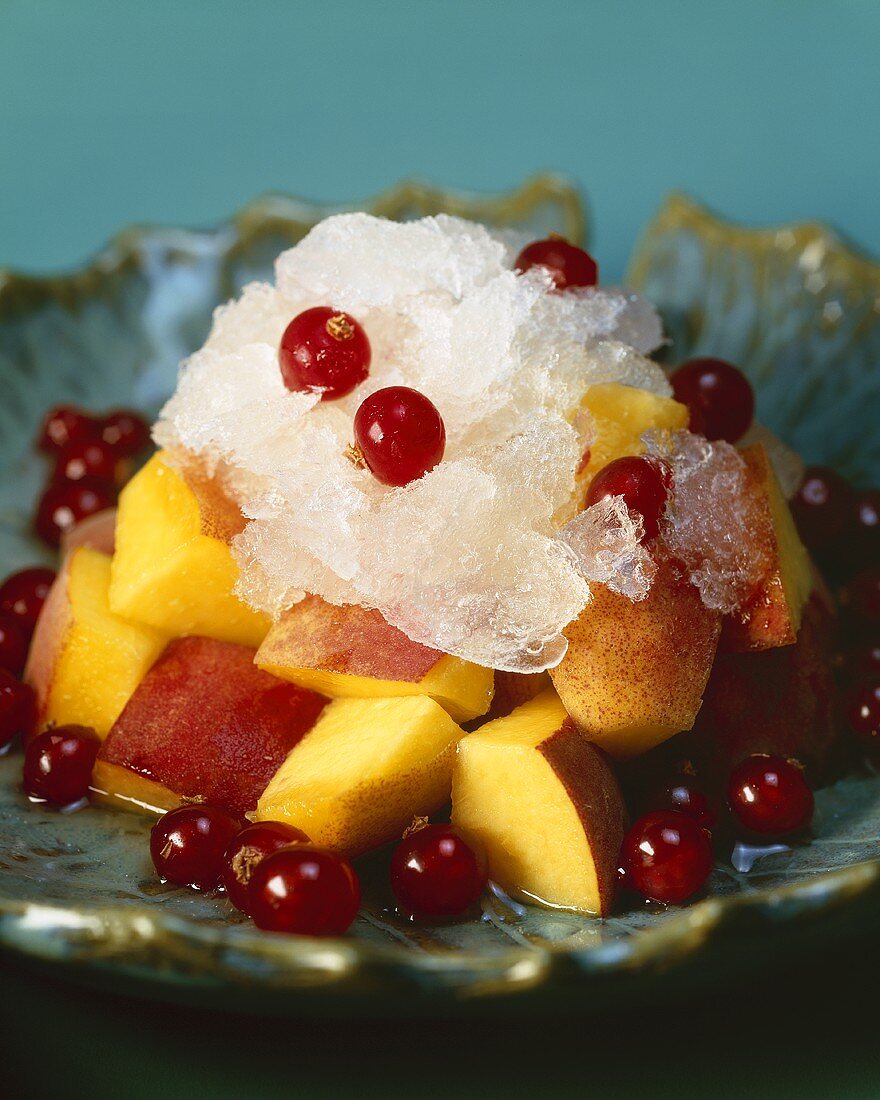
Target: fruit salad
433,561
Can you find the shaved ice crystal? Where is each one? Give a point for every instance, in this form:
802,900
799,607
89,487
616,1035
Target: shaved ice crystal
469,558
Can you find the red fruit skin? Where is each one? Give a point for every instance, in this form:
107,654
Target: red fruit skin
127,433
188,844
400,434
863,598
87,458
686,798
769,796
64,504
23,594
821,507
13,645
719,396
206,723
863,716
437,872
17,708
314,360
58,764
247,849
65,424
304,890
568,265
666,857
643,483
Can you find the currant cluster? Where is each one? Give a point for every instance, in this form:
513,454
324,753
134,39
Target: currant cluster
90,459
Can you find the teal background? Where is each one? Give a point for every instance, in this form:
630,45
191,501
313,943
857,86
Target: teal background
170,111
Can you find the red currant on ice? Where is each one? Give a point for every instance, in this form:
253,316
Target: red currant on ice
685,797
63,425
13,645
125,432
324,351
65,503
58,764
666,857
16,708
187,845
437,872
87,458
23,594
568,265
719,396
770,796
821,506
304,890
250,847
863,715
644,484
400,435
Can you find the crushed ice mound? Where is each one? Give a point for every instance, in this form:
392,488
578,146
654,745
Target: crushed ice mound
606,541
711,521
468,559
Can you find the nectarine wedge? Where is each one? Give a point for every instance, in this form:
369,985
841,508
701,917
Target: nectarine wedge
634,673
204,724
84,661
352,652
545,804
172,568
365,771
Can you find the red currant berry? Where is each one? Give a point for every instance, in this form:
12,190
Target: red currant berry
568,265
667,857
188,844
689,800
863,597
821,506
324,351
863,536
13,645
400,435
125,432
58,764
63,425
304,890
863,715
23,594
864,662
249,848
87,458
770,796
436,872
17,708
644,484
65,503
719,396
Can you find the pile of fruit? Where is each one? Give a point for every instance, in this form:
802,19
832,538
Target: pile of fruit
274,751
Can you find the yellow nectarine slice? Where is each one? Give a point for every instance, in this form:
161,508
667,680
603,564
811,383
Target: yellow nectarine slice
512,689
366,769
352,652
170,569
772,616
634,673
545,804
85,662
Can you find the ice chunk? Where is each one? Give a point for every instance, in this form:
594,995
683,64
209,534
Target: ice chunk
606,542
787,464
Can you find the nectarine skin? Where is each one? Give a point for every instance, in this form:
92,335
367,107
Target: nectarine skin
207,724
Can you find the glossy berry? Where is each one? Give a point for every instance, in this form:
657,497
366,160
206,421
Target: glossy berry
685,797
399,434
863,534
437,872
769,795
863,662
324,351
821,507
13,645
87,458
58,764
125,432
863,596
65,503
23,594
16,708
304,890
250,847
63,425
644,484
188,844
568,265
863,715
719,397
666,857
